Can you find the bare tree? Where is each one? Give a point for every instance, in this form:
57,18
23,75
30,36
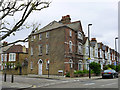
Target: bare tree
10,7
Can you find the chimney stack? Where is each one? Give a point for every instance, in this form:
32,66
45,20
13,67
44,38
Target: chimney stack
66,19
93,39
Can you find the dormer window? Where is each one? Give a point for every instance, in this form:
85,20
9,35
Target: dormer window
80,36
40,36
47,34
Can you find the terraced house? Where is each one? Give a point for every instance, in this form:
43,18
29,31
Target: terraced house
60,43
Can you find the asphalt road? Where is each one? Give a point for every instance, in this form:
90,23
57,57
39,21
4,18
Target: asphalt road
99,83
65,83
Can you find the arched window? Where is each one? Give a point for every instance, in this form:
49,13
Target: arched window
71,63
70,46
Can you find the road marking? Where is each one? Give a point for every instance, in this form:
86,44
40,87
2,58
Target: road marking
89,83
108,84
65,81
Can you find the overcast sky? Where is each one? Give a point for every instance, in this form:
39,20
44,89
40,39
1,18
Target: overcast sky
102,14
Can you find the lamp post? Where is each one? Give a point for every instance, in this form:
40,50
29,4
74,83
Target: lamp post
48,62
89,48
116,52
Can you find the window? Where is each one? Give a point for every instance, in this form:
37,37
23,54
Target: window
112,56
34,36
87,50
80,66
2,57
105,54
40,49
71,63
80,35
79,48
70,33
12,57
31,51
5,57
47,34
70,46
100,53
96,52
91,50
47,64
47,48
31,65
40,36
31,38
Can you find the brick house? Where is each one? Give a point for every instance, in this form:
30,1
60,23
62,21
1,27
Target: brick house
59,42
3,57
16,55
94,50
100,54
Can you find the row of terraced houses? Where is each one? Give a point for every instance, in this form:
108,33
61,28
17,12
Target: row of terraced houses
64,44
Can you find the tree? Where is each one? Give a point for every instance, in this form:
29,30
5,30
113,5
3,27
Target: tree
96,67
10,7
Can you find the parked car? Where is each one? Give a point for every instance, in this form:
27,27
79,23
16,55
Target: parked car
109,74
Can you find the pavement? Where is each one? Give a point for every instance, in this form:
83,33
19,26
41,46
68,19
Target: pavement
25,85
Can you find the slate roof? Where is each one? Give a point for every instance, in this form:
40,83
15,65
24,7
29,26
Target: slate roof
54,24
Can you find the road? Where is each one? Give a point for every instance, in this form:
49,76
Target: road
63,83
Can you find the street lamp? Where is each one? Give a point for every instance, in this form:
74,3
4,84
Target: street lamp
89,48
116,52
48,62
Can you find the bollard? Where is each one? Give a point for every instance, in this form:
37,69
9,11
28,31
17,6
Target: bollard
12,79
5,77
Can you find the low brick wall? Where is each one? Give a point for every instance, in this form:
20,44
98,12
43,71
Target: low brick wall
83,75
16,72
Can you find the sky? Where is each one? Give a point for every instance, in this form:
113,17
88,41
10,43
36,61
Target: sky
102,14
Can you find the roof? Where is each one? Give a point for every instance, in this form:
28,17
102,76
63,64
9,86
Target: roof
16,49
54,24
3,49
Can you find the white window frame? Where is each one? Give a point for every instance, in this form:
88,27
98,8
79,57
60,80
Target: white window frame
5,58
70,33
80,36
31,51
40,49
70,46
12,56
47,34
40,36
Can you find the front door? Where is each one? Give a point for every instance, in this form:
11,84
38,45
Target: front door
40,67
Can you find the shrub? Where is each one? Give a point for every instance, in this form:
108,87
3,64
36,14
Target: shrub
68,74
85,71
96,67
